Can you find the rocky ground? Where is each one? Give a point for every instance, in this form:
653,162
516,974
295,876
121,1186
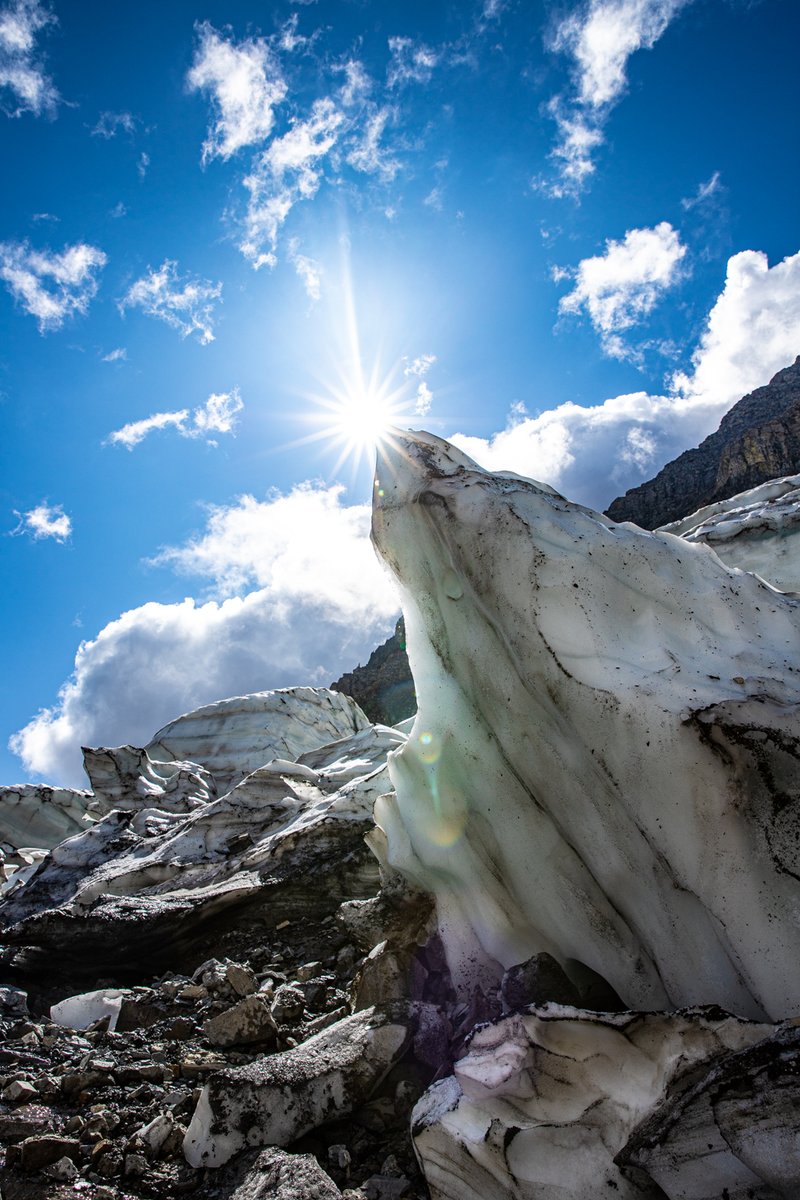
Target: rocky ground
102,1112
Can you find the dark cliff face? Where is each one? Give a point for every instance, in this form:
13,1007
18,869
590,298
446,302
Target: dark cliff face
757,440
383,688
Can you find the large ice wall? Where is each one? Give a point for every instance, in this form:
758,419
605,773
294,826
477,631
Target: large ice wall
604,761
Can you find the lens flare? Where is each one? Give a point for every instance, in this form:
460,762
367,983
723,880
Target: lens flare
356,407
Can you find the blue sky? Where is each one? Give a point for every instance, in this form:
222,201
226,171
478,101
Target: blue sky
565,235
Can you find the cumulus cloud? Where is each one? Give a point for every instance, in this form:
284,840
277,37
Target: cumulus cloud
618,288
50,286
246,85
320,602
186,304
45,521
24,83
217,415
599,37
594,453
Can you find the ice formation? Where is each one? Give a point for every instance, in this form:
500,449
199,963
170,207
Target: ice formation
757,530
550,1104
604,761
233,737
147,874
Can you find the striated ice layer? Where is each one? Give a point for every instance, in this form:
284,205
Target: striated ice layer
234,737
757,530
604,762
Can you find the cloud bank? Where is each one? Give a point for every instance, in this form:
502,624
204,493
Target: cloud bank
593,454
319,604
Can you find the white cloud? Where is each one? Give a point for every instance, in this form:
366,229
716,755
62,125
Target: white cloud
134,432
434,199
245,83
186,304
368,154
599,37
49,286
704,192
290,40
410,63
286,172
217,415
307,269
118,355
357,83
21,71
109,124
594,453
320,604
621,286
45,521
143,163
419,368
423,401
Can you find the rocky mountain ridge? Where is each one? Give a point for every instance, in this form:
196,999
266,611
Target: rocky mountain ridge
383,687
757,440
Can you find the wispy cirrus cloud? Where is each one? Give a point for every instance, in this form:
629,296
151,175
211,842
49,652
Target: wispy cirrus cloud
49,285
308,270
599,37
711,187
25,86
411,62
217,415
119,354
44,521
620,287
352,127
286,172
185,303
245,83
370,154
109,124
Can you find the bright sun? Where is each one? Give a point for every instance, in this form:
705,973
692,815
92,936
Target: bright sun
356,408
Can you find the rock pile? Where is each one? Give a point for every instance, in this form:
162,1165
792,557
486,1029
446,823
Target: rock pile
98,1093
